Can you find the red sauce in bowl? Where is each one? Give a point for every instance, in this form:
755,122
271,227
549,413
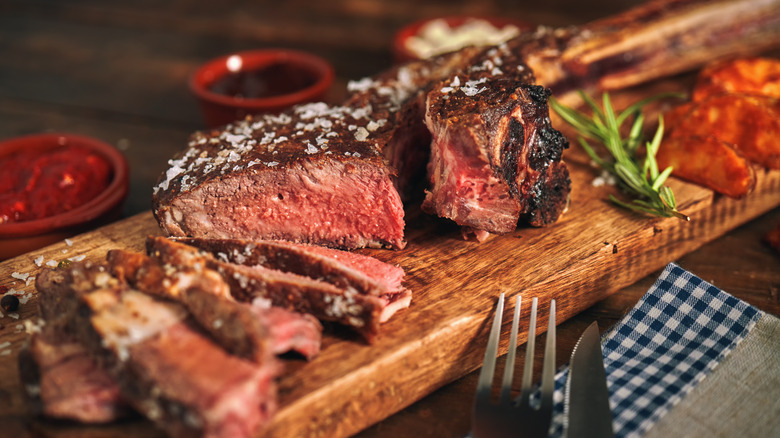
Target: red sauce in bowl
36,184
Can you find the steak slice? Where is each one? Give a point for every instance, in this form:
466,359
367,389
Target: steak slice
495,157
64,381
344,269
164,366
243,329
290,331
294,292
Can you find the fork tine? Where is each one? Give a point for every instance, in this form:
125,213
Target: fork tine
485,381
548,373
530,347
509,367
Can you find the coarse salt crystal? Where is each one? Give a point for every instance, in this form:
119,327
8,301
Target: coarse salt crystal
38,261
361,134
20,276
360,85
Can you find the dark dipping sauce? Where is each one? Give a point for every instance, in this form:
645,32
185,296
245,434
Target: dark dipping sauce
269,81
36,184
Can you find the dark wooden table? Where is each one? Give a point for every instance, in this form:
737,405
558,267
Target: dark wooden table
118,71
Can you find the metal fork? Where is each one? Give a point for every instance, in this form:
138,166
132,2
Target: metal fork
519,417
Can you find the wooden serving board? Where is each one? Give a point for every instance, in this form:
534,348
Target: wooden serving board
593,251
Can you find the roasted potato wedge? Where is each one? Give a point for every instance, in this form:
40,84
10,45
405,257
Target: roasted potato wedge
750,123
745,75
707,161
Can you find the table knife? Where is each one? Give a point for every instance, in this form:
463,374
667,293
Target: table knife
587,395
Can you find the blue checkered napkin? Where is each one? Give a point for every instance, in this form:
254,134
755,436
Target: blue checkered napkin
675,335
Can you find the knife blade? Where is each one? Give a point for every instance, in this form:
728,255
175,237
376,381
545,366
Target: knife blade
587,396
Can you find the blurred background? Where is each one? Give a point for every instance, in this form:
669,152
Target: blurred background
118,70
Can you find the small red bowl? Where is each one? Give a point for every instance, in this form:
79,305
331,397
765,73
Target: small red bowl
219,109
404,53
20,237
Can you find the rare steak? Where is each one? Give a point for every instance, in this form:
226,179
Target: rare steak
495,157
165,367
299,293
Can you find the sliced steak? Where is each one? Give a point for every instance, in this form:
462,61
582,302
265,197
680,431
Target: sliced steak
64,381
367,275
294,292
241,328
290,331
316,173
311,175
165,367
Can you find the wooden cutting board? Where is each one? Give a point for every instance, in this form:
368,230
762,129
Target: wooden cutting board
593,251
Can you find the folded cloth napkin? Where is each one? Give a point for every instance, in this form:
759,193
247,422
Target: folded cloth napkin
689,360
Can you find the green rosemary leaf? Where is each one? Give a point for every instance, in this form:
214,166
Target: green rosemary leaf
661,179
640,176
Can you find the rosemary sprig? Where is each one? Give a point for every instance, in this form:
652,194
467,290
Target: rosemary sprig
641,177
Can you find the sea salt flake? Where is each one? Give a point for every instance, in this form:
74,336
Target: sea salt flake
20,276
360,85
361,134
374,125
38,261
267,137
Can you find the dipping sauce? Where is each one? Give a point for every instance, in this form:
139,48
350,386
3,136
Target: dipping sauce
276,79
36,184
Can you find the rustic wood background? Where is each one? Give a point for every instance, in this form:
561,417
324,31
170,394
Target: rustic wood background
117,71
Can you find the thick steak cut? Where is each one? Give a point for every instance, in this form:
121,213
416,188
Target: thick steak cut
311,175
495,158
